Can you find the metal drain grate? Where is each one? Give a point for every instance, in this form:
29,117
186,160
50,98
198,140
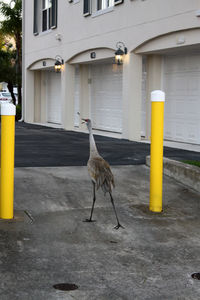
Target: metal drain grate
65,286
196,276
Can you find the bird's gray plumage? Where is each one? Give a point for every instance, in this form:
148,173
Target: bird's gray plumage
100,172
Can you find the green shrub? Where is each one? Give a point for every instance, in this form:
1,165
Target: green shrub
18,112
192,162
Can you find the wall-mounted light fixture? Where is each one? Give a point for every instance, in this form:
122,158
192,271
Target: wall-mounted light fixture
120,52
58,64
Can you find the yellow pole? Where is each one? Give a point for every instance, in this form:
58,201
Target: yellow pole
156,158
8,112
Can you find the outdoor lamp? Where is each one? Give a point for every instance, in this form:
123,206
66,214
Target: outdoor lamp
119,53
58,64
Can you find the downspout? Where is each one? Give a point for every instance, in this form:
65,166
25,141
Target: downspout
23,61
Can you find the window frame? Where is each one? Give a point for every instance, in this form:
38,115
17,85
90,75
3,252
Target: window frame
46,8
100,7
87,4
35,17
105,4
116,2
45,16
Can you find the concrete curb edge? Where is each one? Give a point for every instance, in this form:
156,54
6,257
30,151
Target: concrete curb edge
186,174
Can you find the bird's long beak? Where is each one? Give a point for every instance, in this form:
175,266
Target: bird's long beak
84,121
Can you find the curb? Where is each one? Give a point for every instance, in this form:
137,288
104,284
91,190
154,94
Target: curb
186,174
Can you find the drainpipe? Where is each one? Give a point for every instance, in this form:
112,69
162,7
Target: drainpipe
23,60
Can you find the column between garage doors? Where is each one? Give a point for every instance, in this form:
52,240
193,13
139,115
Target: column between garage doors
132,96
67,87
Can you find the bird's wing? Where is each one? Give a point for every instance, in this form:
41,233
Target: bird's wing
100,171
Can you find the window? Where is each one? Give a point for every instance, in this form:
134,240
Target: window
118,1
103,4
45,15
35,17
86,7
97,7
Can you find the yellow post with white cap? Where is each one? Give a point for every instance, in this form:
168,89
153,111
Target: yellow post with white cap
8,112
156,158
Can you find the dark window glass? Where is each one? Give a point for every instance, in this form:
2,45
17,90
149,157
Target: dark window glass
118,1
35,18
50,17
44,20
86,7
53,14
99,4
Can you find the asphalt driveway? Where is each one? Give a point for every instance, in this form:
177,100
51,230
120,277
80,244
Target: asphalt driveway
40,146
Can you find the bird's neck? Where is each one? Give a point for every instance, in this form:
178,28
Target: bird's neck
93,148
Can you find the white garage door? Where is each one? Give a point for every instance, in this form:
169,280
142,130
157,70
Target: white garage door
182,107
106,97
53,84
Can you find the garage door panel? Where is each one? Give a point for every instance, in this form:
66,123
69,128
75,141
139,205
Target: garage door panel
168,128
193,84
168,107
179,109
53,97
106,97
192,64
179,130
192,107
182,87
180,84
192,132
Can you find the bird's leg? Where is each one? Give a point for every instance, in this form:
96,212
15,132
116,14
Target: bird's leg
118,224
94,199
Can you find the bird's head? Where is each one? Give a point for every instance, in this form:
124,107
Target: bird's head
87,122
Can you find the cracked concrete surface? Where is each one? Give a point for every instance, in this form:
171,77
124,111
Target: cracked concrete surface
152,258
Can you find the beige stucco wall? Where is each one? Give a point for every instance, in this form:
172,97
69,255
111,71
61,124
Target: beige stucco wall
145,27
133,22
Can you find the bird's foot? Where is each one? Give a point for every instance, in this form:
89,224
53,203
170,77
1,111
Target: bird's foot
118,226
89,220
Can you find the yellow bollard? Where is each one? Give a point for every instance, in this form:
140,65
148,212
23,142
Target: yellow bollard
156,158
8,112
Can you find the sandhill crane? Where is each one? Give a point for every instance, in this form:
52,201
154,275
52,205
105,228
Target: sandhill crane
100,173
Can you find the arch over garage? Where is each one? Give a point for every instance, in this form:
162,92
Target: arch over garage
170,41
43,63
92,55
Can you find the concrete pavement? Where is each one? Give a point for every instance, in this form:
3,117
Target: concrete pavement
48,242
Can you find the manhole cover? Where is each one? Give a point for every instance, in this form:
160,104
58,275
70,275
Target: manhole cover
196,276
65,286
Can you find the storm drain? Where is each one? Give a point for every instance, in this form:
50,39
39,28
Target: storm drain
196,276
65,286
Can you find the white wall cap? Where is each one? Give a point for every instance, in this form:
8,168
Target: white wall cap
157,96
8,109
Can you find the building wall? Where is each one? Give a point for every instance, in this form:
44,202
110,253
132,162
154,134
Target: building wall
133,22
145,27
